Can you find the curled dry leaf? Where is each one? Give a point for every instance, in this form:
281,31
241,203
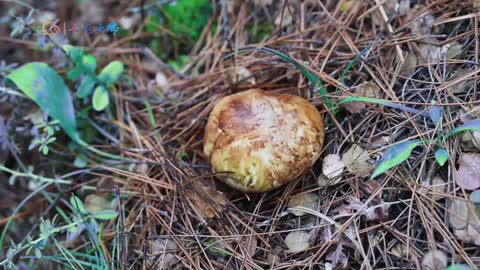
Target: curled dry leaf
368,89
468,175
332,166
355,159
297,241
434,260
307,200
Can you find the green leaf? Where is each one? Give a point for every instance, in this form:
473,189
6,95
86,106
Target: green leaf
111,72
38,253
74,73
106,215
86,87
473,125
43,85
100,98
45,150
395,155
77,204
441,155
379,101
74,53
435,113
458,267
89,62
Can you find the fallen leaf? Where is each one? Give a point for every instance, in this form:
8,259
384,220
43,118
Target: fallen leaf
207,200
307,200
430,53
468,174
367,89
297,241
332,166
454,50
470,234
461,213
355,159
434,260
463,86
164,247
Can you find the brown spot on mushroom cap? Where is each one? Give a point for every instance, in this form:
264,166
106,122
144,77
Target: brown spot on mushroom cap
265,140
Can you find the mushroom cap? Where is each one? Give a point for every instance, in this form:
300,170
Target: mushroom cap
262,140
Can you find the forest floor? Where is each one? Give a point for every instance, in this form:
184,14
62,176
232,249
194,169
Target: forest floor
101,151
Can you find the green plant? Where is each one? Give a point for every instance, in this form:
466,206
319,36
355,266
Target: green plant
46,138
85,65
46,87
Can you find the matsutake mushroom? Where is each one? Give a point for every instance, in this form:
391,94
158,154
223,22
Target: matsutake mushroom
257,141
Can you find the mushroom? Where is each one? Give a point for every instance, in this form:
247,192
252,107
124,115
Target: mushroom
257,141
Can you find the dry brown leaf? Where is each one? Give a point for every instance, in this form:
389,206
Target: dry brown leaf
297,241
434,260
164,247
435,189
355,159
307,200
332,166
206,198
368,89
470,234
468,175
461,213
